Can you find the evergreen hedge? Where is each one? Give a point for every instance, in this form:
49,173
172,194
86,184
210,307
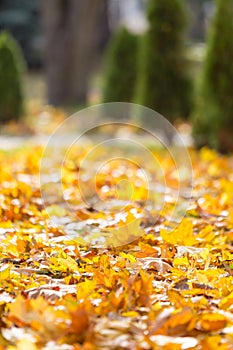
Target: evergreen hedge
213,118
163,83
11,85
121,67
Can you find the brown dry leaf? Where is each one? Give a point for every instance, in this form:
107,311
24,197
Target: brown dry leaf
146,251
155,263
50,291
79,321
171,322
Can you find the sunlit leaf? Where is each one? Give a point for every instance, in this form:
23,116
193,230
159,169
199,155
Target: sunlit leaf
182,235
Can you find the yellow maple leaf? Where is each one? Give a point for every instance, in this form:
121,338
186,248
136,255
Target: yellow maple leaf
63,264
24,344
181,261
4,272
125,233
182,235
227,301
128,256
213,322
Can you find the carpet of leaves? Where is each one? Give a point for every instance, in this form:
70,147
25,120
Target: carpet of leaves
166,290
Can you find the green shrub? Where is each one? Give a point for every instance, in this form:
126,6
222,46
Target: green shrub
11,67
163,82
213,118
121,67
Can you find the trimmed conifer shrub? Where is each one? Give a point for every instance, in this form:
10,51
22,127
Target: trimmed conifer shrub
163,82
11,68
213,118
121,67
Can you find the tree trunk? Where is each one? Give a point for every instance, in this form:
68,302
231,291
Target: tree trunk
197,28
71,29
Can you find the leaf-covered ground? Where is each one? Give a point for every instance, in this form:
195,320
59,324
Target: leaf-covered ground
169,289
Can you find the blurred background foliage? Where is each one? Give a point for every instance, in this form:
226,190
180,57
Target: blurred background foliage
11,84
120,74
163,82
213,116
83,52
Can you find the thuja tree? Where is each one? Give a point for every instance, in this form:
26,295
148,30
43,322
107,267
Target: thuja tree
163,83
213,118
121,67
11,67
